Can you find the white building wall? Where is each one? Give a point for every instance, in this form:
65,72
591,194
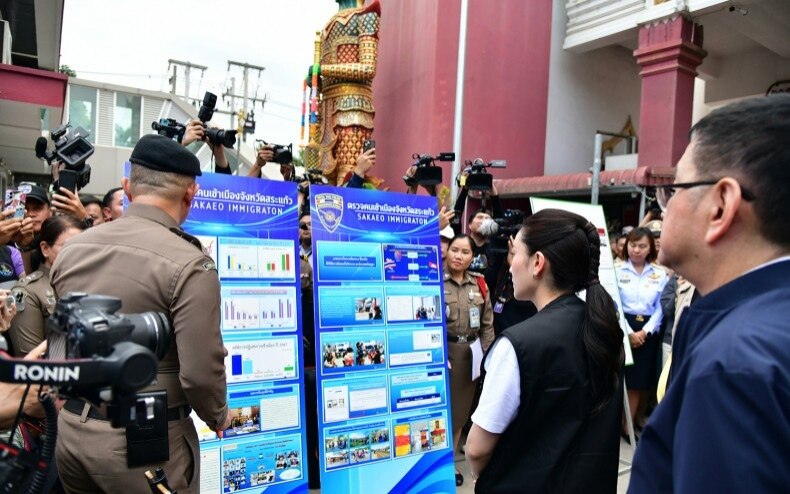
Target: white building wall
596,90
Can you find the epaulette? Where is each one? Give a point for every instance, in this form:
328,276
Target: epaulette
35,275
189,238
476,274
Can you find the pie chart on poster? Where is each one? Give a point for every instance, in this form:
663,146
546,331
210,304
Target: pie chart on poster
290,474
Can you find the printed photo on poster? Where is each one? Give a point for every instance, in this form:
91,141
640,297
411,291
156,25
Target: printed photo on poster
347,306
266,461
420,304
350,351
420,434
355,444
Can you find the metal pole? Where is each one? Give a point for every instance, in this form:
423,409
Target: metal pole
232,103
596,169
459,99
642,197
173,81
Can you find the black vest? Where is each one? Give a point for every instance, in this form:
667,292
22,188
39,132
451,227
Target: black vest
554,445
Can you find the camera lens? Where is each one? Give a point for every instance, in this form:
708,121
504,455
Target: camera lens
151,330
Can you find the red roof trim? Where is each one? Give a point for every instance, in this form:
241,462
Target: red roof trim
38,87
641,176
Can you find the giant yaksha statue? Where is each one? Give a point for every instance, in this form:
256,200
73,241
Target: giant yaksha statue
342,118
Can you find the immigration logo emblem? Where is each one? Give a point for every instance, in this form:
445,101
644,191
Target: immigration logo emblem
330,210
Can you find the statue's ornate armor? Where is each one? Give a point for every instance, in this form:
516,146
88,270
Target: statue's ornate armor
349,48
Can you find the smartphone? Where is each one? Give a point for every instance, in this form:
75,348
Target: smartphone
15,200
67,179
368,145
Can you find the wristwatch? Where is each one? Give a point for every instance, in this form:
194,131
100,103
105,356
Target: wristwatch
88,221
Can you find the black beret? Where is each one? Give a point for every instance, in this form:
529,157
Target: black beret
165,155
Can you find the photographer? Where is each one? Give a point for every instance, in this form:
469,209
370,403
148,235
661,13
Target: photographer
365,161
147,261
196,131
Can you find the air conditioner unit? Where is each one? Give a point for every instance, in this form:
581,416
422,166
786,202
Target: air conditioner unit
5,42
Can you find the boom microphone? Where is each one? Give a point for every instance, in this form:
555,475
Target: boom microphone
41,147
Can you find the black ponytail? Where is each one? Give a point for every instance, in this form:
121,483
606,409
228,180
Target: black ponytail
601,332
573,248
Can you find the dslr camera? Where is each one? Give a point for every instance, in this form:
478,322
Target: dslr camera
73,150
426,171
122,351
93,353
477,178
215,136
283,154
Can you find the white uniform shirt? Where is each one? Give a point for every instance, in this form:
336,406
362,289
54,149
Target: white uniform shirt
501,395
641,293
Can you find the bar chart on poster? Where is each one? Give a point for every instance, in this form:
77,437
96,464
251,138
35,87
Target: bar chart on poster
258,308
254,249
382,376
244,258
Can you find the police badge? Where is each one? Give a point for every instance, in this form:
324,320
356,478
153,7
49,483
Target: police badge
330,210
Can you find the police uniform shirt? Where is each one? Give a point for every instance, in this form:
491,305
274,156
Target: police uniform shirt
459,299
640,294
35,301
147,261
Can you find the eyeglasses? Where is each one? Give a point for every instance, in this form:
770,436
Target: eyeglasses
304,226
665,192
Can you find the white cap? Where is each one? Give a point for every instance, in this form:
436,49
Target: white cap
447,232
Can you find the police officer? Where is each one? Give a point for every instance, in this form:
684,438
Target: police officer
35,298
469,316
147,261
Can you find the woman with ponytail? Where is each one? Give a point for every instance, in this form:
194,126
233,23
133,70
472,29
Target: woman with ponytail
549,413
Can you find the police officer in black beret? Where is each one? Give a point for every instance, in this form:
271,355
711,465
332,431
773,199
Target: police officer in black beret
146,260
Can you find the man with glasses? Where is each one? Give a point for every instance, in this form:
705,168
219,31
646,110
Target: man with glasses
724,423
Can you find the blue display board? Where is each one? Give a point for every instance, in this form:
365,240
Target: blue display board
248,226
383,384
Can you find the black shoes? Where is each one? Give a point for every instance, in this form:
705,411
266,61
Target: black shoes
459,479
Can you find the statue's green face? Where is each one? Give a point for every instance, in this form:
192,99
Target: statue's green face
349,4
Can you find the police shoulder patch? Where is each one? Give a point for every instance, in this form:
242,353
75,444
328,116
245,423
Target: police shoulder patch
35,275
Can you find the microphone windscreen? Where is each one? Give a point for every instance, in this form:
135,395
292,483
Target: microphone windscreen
41,147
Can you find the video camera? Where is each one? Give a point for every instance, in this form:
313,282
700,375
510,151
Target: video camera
476,176
427,172
500,230
93,353
73,150
170,128
283,155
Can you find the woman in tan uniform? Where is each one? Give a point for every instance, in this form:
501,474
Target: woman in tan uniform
35,298
469,317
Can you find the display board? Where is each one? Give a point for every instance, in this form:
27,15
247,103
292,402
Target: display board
383,383
606,272
248,227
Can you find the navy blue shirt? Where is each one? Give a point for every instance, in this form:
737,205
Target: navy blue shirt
724,424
